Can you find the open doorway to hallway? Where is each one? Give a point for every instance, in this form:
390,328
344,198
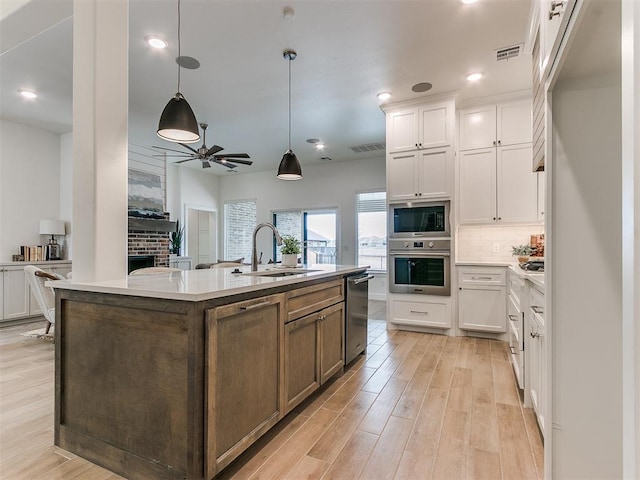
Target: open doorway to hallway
201,234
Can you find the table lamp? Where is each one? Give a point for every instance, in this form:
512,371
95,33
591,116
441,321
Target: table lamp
53,228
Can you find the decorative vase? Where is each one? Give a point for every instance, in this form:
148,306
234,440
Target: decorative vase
523,258
289,259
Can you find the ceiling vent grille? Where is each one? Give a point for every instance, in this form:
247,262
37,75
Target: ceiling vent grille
508,52
369,147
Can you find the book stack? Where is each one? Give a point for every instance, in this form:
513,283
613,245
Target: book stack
33,253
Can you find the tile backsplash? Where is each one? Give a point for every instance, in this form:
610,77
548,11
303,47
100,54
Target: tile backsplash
476,243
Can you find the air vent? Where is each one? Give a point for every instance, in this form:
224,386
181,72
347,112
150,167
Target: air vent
369,147
508,52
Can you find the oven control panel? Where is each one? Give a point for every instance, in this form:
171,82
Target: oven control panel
423,244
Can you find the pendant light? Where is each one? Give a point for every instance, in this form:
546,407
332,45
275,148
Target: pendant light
289,168
177,122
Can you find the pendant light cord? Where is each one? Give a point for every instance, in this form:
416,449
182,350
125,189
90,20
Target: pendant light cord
289,102
178,46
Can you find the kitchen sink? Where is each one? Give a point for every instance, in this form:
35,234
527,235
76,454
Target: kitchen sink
280,273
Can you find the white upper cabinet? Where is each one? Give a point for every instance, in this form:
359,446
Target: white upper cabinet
424,174
498,186
496,125
420,127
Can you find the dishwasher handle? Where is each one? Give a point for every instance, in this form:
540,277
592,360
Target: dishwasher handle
359,280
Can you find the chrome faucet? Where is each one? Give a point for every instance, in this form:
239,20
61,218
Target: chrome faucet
254,253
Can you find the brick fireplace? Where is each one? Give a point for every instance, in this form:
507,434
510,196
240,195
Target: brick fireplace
150,236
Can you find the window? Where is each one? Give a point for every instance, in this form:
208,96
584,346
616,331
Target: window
371,225
316,230
239,222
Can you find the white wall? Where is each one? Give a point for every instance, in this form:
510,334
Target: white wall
29,184
66,192
586,277
323,186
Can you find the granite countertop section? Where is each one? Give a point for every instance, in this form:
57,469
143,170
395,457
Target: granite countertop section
535,278
483,264
205,284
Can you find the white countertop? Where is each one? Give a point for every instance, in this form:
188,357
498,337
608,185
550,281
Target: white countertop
205,284
537,278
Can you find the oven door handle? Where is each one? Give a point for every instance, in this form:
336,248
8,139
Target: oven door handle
405,253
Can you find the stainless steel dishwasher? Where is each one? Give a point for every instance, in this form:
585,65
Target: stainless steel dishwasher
357,315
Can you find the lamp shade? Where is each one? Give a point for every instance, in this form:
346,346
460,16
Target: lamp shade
289,168
178,122
52,227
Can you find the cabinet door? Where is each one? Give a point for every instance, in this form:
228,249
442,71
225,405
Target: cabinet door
16,293
434,173
478,127
402,130
301,372
243,376
542,195
517,185
331,341
435,125
514,123
483,309
478,186
402,177
1,294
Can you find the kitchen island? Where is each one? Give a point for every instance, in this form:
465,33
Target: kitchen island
174,375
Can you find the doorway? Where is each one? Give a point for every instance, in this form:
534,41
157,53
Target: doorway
201,235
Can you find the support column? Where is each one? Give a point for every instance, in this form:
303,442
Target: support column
100,136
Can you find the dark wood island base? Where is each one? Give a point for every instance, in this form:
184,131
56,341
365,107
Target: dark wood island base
157,388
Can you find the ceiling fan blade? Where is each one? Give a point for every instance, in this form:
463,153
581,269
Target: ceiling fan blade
187,146
224,164
233,155
178,156
214,149
234,160
185,160
171,149
206,164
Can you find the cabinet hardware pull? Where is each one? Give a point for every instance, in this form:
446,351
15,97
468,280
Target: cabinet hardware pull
420,145
537,309
512,350
513,318
417,311
535,334
494,143
494,219
499,142
481,278
499,218
256,305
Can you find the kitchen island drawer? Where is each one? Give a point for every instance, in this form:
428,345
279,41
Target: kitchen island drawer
425,313
303,301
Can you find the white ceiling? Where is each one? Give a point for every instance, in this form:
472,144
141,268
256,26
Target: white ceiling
348,51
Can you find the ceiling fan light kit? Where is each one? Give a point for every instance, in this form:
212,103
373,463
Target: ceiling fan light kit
178,122
289,168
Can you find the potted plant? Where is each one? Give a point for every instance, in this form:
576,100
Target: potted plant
290,250
522,252
175,239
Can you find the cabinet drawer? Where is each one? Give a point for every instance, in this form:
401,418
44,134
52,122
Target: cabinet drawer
420,313
481,276
304,301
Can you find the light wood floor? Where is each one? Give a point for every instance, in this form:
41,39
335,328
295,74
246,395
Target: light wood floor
416,406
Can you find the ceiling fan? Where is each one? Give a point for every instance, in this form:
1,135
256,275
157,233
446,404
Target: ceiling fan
207,155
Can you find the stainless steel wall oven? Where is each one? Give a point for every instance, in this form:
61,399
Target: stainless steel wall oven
420,266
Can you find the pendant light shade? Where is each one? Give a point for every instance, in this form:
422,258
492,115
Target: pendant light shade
177,122
289,168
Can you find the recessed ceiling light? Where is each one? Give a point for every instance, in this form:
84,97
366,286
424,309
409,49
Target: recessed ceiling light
467,2
27,94
313,140
156,42
474,77
382,96
320,146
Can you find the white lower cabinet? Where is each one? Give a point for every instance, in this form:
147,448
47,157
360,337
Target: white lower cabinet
536,346
183,263
482,299
420,311
15,291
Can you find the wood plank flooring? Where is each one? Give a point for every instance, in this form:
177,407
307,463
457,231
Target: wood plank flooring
416,406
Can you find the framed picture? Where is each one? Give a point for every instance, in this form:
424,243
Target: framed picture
146,195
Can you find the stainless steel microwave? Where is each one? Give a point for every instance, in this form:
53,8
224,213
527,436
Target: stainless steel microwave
419,219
